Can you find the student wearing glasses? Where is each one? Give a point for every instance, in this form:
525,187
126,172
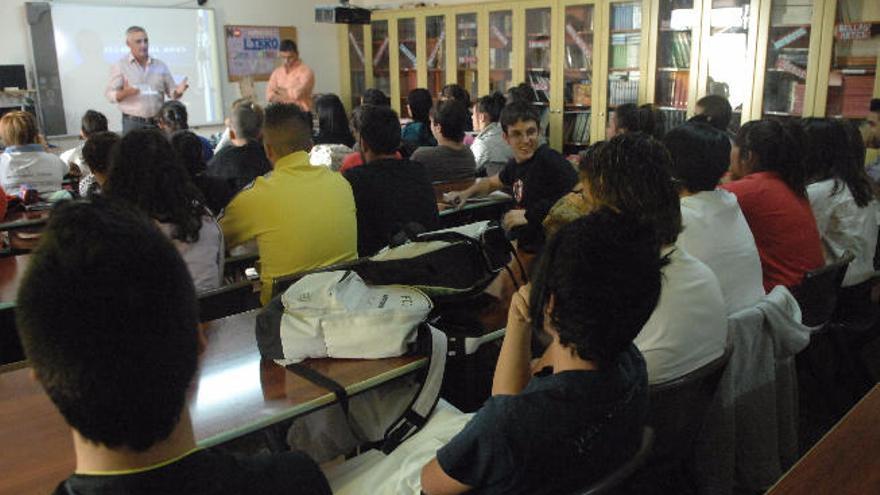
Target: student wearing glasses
537,174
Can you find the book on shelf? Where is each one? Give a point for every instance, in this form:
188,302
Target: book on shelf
622,89
671,118
540,86
576,128
625,50
677,52
672,89
626,16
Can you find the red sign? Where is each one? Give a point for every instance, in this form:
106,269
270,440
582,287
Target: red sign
853,31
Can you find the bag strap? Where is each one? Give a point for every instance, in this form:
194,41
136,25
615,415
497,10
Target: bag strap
416,414
322,381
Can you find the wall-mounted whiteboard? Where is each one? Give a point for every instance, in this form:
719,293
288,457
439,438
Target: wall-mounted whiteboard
89,39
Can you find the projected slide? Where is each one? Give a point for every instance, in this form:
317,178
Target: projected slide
89,39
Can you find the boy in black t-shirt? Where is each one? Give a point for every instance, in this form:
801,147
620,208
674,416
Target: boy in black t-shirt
595,286
537,174
107,314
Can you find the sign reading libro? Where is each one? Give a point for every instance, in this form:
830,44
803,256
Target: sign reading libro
252,51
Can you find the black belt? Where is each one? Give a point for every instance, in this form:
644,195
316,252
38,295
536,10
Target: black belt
145,120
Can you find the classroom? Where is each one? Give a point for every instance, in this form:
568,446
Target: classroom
438,247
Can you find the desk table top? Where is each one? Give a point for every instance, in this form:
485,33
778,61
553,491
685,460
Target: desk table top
234,392
846,460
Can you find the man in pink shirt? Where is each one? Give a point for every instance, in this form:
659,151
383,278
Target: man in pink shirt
293,81
139,83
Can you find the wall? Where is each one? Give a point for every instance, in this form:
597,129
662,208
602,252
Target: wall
318,44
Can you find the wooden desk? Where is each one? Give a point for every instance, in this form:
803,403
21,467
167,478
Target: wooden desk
846,460
24,219
490,208
234,393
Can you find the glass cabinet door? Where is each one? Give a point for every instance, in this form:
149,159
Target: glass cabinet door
435,31
408,77
727,54
578,77
788,46
356,63
467,75
500,50
675,36
537,61
855,48
381,61
625,23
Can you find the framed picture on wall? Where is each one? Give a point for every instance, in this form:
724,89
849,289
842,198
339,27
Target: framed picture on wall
252,51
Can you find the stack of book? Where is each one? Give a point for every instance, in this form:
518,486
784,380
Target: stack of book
576,128
856,95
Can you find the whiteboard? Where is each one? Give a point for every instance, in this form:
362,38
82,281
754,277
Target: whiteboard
89,39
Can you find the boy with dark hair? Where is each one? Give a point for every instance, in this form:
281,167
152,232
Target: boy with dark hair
292,81
389,192
373,96
96,155
538,175
450,159
715,230
119,373
714,110
596,284
624,118
92,122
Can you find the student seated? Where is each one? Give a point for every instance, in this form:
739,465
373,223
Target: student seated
25,161
92,122
119,371
714,228
333,125
841,196
689,327
538,175
454,92
356,158
334,138
594,287
148,174
173,117
418,132
389,192
225,137
491,151
450,159
714,110
216,191
96,156
244,159
302,217
770,185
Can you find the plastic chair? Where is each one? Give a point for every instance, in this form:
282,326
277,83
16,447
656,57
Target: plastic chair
677,409
817,294
613,481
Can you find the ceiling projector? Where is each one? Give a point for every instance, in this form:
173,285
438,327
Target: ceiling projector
342,14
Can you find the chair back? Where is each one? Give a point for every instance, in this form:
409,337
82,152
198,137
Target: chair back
817,294
227,300
677,408
442,187
611,482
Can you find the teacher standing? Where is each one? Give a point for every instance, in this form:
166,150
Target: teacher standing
293,81
139,83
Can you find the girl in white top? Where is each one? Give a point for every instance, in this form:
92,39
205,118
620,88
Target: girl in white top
841,196
25,162
688,328
147,173
490,150
714,228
